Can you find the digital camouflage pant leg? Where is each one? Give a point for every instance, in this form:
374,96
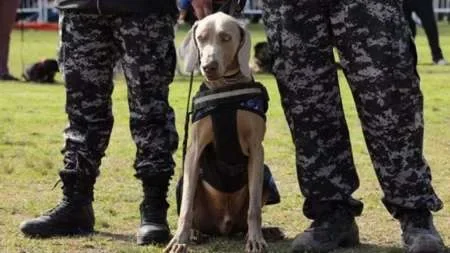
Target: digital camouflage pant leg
378,58
90,47
149,61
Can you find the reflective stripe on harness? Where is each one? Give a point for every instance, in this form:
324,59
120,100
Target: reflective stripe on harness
252,96
226,94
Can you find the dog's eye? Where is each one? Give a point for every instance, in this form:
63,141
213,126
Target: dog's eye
201,38
225,37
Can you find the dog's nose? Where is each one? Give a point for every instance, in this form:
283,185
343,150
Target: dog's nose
211,66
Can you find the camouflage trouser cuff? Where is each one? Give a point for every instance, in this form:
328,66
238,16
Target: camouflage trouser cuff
434,204
314,209
146,174
81,163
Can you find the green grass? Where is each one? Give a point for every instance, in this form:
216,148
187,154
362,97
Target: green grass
32,119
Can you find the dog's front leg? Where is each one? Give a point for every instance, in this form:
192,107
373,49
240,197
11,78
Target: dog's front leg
179,242
201,135
255,240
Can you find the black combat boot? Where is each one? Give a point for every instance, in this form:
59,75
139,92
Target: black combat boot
328,233
72,216
154,228
419,234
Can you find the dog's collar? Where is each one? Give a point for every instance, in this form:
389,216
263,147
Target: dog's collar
228,81
234,75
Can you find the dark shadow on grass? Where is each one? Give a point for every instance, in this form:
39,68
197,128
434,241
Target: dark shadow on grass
285,246
281,245
66,236
18,143
427,64
116,237
23,82
441,71
56,83
371,248
236,243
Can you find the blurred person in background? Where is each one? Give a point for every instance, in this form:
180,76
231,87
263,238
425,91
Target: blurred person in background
424,10
184,7
8,10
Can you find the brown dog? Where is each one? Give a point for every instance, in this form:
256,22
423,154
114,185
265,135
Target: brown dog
225,182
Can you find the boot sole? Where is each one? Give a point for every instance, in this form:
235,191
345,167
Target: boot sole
59,232
159,237
349,241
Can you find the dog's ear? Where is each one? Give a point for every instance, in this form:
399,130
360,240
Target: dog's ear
189,51
244,52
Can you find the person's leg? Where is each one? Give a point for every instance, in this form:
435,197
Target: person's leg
7,20
424,9
306,75
149,64
408,6
304,66
379,64
87,57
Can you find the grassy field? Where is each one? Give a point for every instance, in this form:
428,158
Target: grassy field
32,119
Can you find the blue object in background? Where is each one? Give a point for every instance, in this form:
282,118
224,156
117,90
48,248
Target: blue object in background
184,4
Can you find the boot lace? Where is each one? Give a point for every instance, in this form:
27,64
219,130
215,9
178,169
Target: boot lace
61,209
65,206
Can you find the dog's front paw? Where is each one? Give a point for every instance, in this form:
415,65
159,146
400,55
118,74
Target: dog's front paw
178,244
255,243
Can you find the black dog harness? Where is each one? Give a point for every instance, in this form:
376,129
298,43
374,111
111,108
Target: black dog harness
249,96
223,164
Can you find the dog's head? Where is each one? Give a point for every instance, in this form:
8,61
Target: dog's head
219,45
50,65
263,57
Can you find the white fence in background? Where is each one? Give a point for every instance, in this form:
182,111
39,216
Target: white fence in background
35,7
253,7
442,6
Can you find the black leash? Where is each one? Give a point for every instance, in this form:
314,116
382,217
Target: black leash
187,119
230,7
22,41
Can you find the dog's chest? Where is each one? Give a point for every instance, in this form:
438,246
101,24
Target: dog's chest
223,164
229,210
